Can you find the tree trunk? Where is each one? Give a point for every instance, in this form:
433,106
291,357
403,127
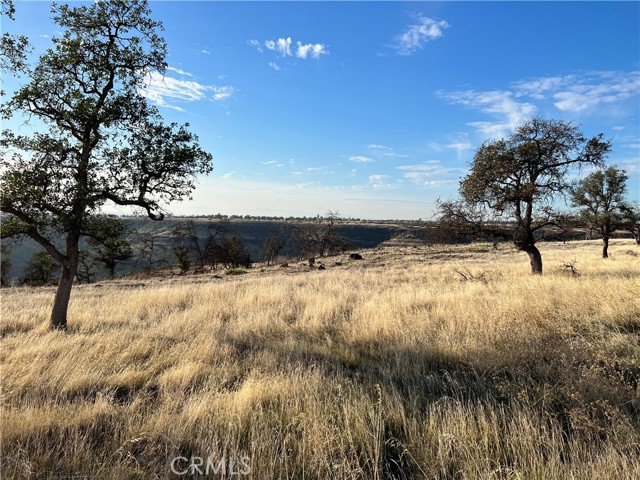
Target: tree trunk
67,275
61,302
524,240
535,259
605,247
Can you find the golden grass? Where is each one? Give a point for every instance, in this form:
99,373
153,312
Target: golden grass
395,367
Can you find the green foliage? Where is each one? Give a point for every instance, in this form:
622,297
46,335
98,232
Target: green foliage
107,237
516,176
233,253
5,264
13,48
183,257
631,220
40,269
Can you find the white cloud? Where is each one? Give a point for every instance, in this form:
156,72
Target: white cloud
418,34
228,175
315,50
283,47
279,198
378,147
204,51
274,65
360,159
162,89
537,87
221,93
397,155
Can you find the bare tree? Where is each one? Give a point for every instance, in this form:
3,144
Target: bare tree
272,246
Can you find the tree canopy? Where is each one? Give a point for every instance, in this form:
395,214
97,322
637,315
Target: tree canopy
600,197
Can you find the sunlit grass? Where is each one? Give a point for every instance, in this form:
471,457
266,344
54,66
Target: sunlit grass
394,367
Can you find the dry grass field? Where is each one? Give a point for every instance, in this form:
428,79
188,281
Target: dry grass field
392,367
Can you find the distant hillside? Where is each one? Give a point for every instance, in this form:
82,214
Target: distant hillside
253,233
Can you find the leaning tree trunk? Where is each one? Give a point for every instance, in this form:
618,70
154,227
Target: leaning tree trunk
67,275
605,247
61,301
523,240
535,259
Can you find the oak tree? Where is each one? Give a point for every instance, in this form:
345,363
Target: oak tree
518,178
600,197
97,140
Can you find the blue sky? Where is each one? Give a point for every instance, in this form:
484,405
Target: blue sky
375,109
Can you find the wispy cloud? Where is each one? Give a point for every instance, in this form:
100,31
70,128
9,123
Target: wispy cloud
285,48
380,181
429,173
256,44
164,90
360,159
274,65
416,35
382,150
500,103
273,163
179,72
584,91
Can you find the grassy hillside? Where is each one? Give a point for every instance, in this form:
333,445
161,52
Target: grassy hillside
418,362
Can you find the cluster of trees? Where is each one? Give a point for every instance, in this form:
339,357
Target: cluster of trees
320,239
219,247
215,244
514,183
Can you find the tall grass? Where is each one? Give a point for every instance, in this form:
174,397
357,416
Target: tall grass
395,367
